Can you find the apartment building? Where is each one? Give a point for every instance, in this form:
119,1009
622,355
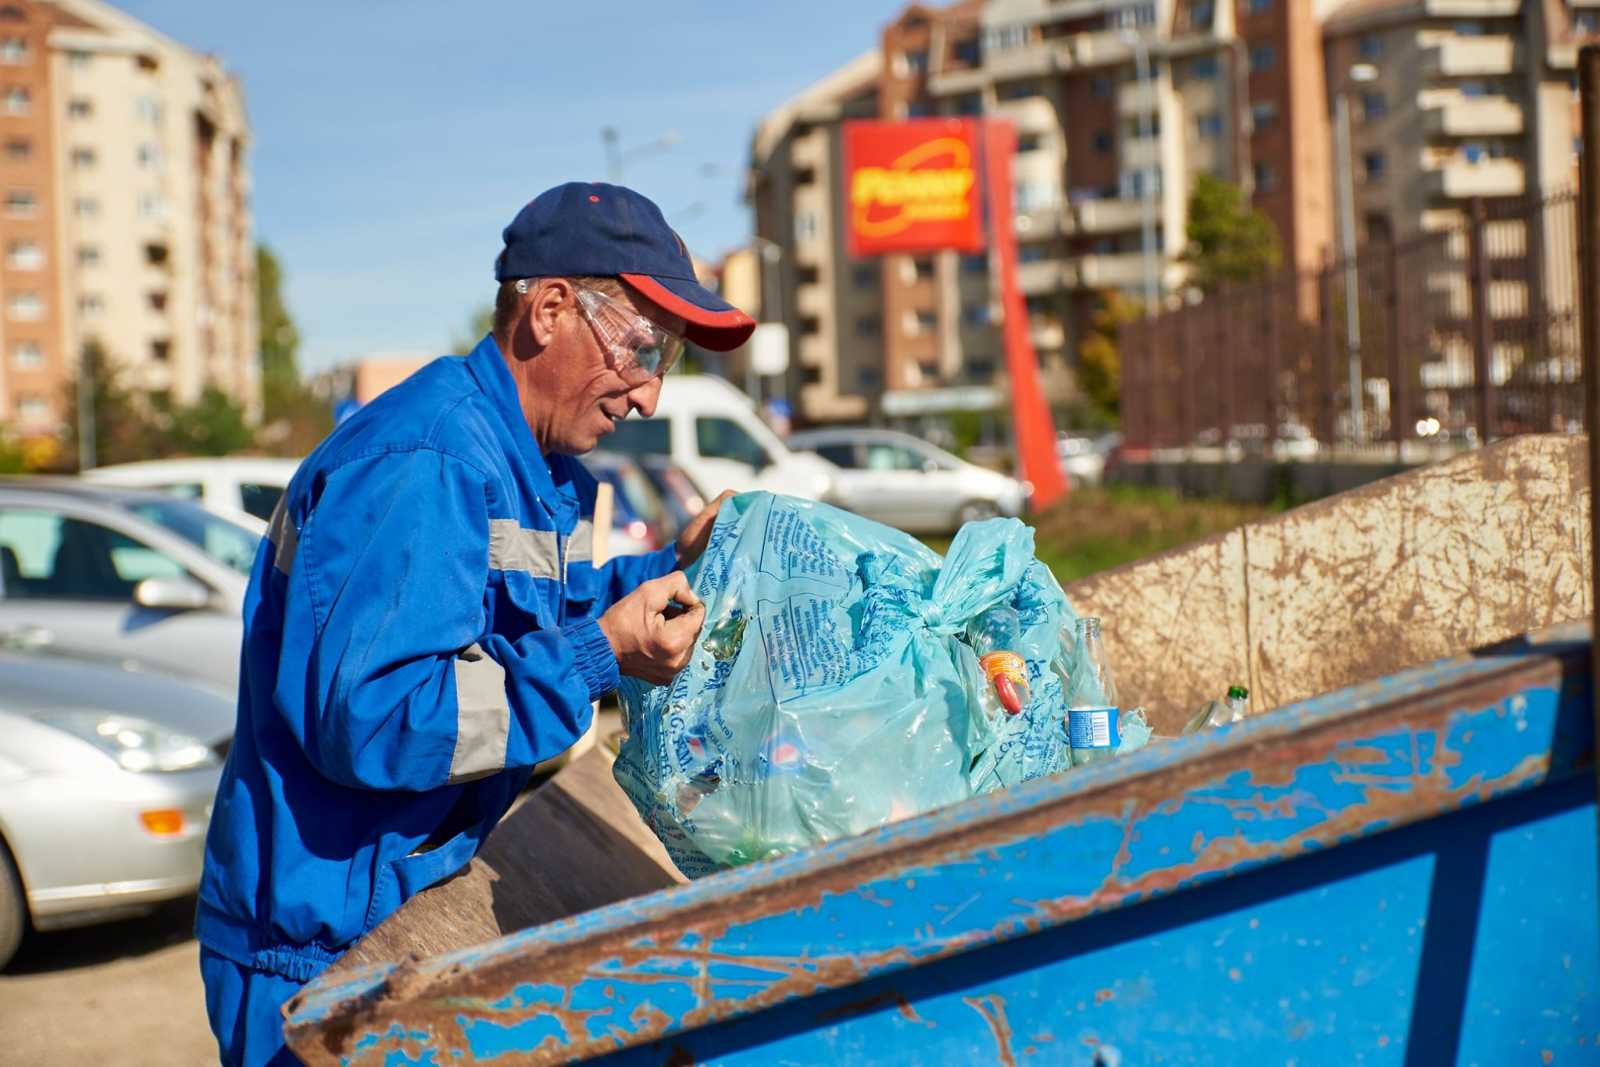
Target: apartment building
126,216
1118,105
1461,102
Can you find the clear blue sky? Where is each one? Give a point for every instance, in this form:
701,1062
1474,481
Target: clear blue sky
393,140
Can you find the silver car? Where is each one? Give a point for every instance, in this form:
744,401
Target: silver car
106,783
129,576
905,482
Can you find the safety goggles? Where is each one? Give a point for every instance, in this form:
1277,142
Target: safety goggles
637,348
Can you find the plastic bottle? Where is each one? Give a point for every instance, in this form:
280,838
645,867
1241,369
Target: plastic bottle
994,636
1092,700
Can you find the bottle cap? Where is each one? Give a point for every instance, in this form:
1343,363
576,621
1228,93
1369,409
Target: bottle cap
1238,692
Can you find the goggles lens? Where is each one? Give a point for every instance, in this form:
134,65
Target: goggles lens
637,348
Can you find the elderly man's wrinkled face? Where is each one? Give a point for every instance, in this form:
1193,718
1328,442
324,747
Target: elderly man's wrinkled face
601,359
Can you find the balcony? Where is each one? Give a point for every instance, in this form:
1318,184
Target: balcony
1045,222
810,151
812,300
1483,116
1047,334
1457,9
1108,216
956,82
1459,179
1462,57
1043,276
1138,97
1026,61
1112,270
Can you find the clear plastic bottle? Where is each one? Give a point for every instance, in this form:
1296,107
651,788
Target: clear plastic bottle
1092,699
995,635
1221,712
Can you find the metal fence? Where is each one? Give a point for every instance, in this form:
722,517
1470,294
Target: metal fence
1465,334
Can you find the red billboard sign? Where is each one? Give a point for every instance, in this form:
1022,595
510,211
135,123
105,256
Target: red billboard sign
913,186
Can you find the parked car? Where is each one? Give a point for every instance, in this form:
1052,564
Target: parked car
106,783
711,430
683,498
129,576
242,488
905,482
639,516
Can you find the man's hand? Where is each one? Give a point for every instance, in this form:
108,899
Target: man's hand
653,643
697,531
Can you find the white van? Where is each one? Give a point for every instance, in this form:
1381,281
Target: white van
242,488
711,430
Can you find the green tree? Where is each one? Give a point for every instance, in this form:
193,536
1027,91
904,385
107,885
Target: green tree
294,418
123,428
1099,360
1228,240
214,425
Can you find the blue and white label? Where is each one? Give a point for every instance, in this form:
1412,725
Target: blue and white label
1092,728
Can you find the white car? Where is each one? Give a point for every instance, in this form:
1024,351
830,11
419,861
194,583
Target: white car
905,482
126,576
242,488
712,431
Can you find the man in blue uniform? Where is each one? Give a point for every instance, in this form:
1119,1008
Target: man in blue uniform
424,622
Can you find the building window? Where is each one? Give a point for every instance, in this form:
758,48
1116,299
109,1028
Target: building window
91,305
1258,7
1373,166
1102,142
1017,91
83,157
915,62
975,315
870,327
869,377
967,53
864,274
152,206
1586,23
1468,28
158,301
927,320
25,307
1034,196
148,109
1263,115
160,351
33,408
26,355
1006,38
1144,126
88,256
1033,253
13,50
18,101
1263,57
1370,46
1266,179
1208,125
79,60
24,255
19,150
1101,86
977,263
1474,89
79,108
1378,228
1202,14
1029,142
1374,105
1203,67
969,104
86,207
1135,183
150,156
21,205
156,254
805,226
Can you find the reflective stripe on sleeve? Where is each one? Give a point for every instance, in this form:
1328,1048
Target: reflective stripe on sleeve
513,548
283,535
483,716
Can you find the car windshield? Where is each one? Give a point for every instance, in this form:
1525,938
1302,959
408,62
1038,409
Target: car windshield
218,538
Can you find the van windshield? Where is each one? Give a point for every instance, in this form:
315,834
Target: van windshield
640,437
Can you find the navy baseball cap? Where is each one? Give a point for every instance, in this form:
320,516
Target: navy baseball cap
609,231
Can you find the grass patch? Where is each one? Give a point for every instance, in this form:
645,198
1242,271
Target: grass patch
1095,529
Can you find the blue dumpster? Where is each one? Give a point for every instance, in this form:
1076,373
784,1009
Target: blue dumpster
1402,872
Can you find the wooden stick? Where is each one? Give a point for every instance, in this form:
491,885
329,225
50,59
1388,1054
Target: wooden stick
602,523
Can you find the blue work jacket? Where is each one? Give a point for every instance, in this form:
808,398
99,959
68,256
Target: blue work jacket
419,631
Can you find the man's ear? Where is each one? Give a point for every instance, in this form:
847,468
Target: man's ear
544,307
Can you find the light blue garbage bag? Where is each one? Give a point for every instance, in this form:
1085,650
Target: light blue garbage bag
830,691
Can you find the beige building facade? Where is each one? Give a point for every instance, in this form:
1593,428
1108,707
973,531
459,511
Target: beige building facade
140,237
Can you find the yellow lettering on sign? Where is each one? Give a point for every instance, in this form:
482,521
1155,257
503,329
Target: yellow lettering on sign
933,194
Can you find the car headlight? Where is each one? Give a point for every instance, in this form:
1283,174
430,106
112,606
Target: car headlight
136,744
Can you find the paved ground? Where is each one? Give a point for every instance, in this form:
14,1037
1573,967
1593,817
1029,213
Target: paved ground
125,993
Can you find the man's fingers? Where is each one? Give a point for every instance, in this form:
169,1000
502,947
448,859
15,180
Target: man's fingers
676,587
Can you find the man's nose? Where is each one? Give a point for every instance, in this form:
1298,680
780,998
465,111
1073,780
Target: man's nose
643,398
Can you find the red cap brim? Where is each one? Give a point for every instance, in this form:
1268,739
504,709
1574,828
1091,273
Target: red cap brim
720,329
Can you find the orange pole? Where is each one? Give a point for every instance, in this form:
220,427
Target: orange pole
1035,431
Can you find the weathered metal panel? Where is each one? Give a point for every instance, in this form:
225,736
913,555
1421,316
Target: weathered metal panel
1422,565
1036,870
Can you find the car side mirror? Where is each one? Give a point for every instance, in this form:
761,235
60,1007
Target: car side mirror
171,594
929,466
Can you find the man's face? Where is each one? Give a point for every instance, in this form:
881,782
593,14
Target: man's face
587,395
